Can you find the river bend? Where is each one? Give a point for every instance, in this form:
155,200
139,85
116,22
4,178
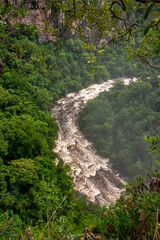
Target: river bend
93,174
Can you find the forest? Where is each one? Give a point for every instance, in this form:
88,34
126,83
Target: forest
117,122
32,185
37,197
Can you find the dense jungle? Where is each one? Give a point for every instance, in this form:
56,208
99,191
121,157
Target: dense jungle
37,196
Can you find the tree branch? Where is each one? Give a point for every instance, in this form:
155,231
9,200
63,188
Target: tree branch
144,59
15,7
120,4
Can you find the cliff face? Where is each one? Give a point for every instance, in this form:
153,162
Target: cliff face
48,17
40,15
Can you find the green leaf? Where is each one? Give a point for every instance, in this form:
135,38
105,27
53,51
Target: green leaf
148,27
146,138
148,10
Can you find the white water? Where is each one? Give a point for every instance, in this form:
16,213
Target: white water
93,174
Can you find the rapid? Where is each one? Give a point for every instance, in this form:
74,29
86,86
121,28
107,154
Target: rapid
93,175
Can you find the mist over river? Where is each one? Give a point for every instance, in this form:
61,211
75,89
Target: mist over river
93,175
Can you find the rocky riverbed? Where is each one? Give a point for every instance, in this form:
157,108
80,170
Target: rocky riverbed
94,175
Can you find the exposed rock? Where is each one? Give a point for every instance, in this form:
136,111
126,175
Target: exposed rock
46,18
39,15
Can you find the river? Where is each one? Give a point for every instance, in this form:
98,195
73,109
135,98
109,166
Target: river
93,175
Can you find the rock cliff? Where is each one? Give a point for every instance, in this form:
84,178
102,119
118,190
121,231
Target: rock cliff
41,15
49,20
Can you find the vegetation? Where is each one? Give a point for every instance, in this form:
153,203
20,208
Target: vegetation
117,121
134,216
35,192
135,22
32,186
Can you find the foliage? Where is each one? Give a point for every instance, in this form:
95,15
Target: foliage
134,22
32,186
10,226
153,143
117,121
33,189
134,216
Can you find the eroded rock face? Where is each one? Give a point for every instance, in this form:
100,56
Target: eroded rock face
44,17
94,175
40,15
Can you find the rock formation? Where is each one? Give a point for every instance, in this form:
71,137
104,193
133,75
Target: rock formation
49,20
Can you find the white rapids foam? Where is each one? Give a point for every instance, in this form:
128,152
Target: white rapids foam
93,174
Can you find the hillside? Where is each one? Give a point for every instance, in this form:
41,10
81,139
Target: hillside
37,196
117,122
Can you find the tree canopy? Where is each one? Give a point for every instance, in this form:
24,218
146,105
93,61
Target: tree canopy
135,22
117,121
35,187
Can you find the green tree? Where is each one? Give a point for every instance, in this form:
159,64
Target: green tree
117,121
